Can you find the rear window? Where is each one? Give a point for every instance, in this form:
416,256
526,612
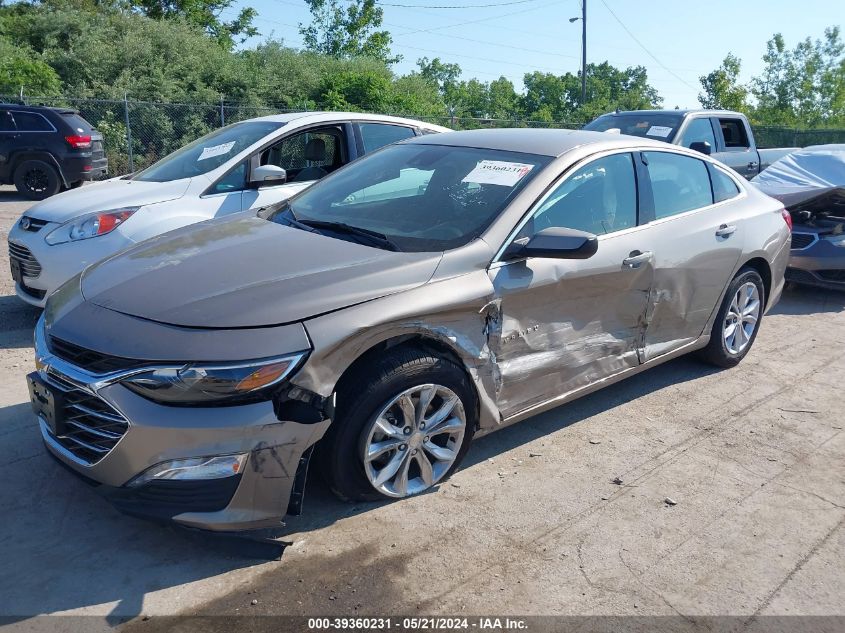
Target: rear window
75,120
679,183
656,125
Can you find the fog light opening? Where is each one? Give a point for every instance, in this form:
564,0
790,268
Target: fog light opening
193,469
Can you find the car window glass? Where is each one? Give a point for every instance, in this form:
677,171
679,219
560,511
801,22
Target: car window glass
699,131
422,197
724,187
233,181
7,123
733,131
377,135
80,125
308,155
599,198
679,183
32,122
411,182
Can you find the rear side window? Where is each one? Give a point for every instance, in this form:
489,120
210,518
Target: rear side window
599,198
724,187
679,183
32,122
377,135
74,120
734,132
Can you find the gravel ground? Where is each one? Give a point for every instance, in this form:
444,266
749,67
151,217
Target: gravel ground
753,457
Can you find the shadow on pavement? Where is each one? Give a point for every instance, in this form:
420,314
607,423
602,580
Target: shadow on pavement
801,300
70,549
17,320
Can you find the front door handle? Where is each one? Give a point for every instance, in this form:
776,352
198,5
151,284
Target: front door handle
636,258
726,230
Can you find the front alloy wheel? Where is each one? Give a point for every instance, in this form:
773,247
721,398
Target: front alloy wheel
414,440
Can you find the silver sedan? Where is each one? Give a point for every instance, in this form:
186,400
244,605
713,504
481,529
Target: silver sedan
433,291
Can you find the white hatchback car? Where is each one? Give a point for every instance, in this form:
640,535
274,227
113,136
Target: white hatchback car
243,166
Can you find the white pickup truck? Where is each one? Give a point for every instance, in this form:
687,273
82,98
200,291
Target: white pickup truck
722,134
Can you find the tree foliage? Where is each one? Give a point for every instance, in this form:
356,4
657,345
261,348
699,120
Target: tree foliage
346,29
722,89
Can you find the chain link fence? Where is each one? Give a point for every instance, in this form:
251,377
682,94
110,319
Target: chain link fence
138,133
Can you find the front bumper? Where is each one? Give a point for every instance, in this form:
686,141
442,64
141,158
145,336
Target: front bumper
56,264
821,264
257,497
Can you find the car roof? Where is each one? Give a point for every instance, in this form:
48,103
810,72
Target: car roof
326,117
681,113
36,108
546,142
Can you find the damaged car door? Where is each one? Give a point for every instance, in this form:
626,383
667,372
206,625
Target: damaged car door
696,244
567,322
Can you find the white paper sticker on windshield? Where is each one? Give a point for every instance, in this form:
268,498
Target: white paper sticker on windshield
216,150
497,172
659,130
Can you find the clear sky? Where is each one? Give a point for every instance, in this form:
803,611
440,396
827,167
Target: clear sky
678,41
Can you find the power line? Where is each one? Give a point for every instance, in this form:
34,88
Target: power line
464,6
642,46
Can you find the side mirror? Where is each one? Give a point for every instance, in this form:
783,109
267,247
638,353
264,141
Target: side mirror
556,243
701,146
268,175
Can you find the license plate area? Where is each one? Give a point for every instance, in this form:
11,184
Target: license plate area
47,404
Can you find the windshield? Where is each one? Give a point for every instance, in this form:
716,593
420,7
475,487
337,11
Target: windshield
417,197
208,152
659,126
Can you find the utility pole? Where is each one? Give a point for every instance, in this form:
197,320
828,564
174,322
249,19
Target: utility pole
583,19
583,52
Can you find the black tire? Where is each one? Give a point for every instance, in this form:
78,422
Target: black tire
37,179
717,352
340,453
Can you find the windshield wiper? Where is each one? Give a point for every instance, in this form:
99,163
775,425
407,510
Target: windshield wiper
374,237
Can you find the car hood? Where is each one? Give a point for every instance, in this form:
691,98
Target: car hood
245,271
106,195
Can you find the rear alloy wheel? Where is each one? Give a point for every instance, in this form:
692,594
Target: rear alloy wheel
414,440
36,179
737,321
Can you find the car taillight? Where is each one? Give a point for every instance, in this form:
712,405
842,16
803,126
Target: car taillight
787,217
79,141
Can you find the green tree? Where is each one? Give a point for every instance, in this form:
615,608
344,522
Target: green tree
204,14
23,70
804,86
722,89
345,29
441,74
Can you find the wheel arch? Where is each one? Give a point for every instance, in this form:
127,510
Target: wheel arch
25,155
764,269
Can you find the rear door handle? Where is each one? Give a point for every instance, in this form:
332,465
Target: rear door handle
636,258
725,230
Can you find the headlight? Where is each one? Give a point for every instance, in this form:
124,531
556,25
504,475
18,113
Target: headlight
203,383
837,240
91,225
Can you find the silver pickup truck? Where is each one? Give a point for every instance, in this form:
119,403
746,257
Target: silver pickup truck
722,134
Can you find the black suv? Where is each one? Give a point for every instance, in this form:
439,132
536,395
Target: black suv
44,150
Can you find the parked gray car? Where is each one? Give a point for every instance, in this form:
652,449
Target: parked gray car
433,291
811,183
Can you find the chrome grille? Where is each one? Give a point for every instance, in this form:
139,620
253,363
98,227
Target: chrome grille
29,265
92,427
802,240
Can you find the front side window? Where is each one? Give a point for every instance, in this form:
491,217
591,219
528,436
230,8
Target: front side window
307,155
698,131
421,197
679,183
32,122
208,152
599,198
377,135
7,123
